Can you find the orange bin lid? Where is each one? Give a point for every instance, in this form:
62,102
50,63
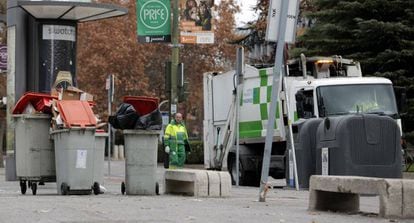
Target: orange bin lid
143,105
76,113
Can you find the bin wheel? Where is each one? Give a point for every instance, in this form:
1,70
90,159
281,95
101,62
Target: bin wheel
23,186
157,188
64,189
123,188
96,188
34,188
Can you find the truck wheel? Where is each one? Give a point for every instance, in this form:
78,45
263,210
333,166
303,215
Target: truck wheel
34,188
246,178
123,188
64,189
157,188
96,189
233,171
23,186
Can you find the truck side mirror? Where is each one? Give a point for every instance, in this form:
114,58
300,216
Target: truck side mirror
401,98
299,96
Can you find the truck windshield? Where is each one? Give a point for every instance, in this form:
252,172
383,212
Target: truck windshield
361,98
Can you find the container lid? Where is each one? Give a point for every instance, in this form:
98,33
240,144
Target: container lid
40,101
76,113
143,105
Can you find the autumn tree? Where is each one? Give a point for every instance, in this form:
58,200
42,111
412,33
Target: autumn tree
111,47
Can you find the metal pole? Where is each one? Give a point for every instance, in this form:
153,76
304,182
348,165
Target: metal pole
174,60
110,89
274,99
240,73
292,144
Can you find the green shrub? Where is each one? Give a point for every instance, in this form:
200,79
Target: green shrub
195,157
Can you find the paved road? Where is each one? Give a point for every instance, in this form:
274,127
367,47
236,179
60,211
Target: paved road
280,206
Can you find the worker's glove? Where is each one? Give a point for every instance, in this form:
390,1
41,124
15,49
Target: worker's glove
167,149
187,147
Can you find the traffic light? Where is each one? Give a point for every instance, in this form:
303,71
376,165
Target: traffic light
167,78
182,85
183,92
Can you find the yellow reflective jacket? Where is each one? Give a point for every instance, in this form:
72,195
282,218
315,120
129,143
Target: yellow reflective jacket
175,135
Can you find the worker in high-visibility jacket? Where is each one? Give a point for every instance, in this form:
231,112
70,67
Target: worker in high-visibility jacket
176,141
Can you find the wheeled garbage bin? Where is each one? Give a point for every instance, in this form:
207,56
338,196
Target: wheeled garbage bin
98,161
75,154
305,151
35,155
141,162
359,145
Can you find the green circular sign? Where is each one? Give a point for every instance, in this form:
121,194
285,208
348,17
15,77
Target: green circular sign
154,14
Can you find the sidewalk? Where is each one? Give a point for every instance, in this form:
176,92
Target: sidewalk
280,206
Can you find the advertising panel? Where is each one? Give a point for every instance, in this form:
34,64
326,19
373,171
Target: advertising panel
196,23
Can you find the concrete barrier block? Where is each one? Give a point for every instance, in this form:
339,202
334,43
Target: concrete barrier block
213,184
346,184
333,201
391,198
408,198
225,183
201,183
189,182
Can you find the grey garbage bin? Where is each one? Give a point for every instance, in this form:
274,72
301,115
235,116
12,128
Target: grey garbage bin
141,162
74,151
35,155
359,145
305,150
98,161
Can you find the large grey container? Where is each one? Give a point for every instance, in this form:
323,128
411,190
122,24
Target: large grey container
359,145
35,155
141,161
74,150
98,162
305,150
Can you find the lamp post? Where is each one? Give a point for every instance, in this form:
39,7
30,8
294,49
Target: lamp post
174,60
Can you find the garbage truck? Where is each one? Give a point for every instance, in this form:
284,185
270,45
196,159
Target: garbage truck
316,88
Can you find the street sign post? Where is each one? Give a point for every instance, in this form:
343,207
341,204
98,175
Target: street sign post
273,21
3,57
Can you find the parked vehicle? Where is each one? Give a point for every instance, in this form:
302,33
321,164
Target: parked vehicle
317,87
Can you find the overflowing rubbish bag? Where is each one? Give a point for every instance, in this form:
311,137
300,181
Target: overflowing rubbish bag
137,113
125,117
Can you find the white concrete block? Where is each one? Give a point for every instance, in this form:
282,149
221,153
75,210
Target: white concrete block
225,183
213,184
201,184
346,184
408,198
391,198
186,181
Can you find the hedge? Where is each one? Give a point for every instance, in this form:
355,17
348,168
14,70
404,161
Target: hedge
195,157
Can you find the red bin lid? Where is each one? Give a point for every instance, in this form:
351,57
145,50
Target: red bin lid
143,105
40,101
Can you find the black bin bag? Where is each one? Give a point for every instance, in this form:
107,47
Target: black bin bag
125,117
